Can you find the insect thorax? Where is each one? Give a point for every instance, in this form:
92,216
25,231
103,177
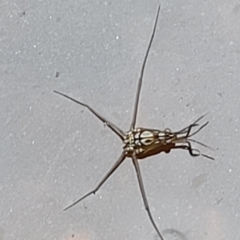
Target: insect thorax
146,142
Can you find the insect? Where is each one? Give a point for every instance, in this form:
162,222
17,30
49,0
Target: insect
139,143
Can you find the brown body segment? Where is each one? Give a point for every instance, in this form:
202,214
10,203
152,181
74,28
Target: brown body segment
147,142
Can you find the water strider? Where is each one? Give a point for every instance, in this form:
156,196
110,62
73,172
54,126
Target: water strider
139,143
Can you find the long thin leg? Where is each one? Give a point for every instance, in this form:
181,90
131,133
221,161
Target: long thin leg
141,75
194,124
113,127
109,173
200,143
188,129
203,126
191,151
139,176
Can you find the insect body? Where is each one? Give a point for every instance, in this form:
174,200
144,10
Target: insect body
146,142
139,143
